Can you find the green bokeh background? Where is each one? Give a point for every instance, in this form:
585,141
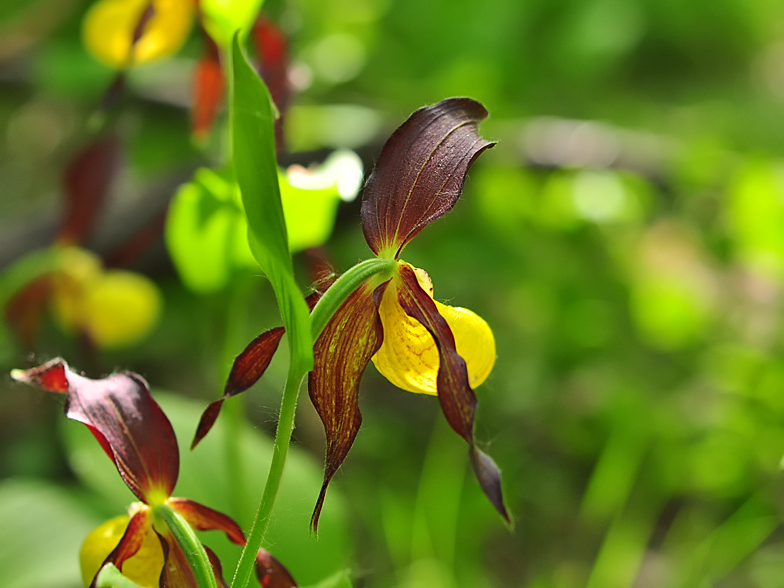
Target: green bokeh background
624,240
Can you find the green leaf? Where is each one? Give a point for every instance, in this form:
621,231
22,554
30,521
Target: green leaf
41,530
206,232
253,142
111,577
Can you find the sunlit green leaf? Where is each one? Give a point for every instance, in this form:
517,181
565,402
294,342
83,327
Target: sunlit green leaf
206,232
222,18
756,216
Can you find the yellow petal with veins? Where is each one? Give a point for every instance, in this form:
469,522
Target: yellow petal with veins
109,27
408,356
144,567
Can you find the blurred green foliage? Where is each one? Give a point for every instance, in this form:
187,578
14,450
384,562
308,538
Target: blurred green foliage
624,240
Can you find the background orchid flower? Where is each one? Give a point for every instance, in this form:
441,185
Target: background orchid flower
121,33
420,345
138,437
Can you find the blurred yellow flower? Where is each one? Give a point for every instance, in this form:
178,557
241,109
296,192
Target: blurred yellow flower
161,27
112,307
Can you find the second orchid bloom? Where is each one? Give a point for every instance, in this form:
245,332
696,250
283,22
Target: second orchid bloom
138,437
417,343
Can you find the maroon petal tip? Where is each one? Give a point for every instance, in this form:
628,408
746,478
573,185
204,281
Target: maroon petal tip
489,477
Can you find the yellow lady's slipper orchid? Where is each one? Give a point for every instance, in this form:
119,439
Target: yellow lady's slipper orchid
138,437
419,344
408,356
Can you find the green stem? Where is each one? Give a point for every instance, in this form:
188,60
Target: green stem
343,287
326,307
280,449
190,544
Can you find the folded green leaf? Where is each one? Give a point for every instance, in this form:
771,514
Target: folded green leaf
252,130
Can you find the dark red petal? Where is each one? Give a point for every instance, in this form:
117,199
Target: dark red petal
122,414
421,171
86,183
271,573
217,567
248,367
25,309
457,399
272,52
141,24
176,572
342,351
203,518
131,541
208,90
50,376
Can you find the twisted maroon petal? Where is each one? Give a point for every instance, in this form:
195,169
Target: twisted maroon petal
125,419
248,367
271,573
204,518
458,401
137,529
342,351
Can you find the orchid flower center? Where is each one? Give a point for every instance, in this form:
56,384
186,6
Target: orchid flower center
409,357
144,567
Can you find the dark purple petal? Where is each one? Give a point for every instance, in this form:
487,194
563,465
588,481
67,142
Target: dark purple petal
176,572
421,171
342,351
204,518
217,567
24,310
272,52
124,417
458,401
208,89
248,367
271,573
86,183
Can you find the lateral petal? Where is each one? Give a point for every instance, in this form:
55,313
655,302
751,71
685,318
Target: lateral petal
342,352
126,420
176,572
409,356
204,518
271,573
458,401
246,370
421,171
132,540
